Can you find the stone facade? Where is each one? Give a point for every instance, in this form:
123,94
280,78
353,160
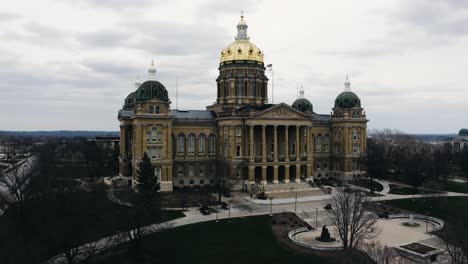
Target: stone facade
240,136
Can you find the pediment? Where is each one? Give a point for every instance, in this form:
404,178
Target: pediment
281,111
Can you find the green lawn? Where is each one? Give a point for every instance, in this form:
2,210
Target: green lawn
51,224
450,209
367,184
456,187
244,240
175,199
403,190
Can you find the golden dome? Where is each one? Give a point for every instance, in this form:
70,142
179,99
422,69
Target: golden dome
241,49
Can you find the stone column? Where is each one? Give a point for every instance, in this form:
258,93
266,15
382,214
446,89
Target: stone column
309,175
123,141
275,174
251,143
264,175
263,143
298,144
309,143
286,143
286,174
298,172
251,174
275,142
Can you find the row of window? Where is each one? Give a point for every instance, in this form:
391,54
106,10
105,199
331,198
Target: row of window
241,90
154,109
154,135
240,72
195,182
154,153
191,170
180,144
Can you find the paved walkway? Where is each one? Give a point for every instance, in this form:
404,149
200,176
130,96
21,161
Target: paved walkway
241,206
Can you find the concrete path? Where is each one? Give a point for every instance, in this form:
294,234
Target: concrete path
241,206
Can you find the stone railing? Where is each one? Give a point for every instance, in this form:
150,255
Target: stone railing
438,224
292,236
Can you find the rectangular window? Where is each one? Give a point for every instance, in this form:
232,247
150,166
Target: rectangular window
158,152
151,109
238,150
191,170
148,136
180,170
152,153
201,145
202,171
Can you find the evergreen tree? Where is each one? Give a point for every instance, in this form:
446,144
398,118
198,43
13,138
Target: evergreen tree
147,182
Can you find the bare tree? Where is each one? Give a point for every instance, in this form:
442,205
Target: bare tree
380,254
455,241
352,222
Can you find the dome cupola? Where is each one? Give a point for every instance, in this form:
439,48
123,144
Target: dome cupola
347,99
463,132
302,104
241,49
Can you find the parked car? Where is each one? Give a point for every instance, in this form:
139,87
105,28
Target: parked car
224,206
227,194
205,210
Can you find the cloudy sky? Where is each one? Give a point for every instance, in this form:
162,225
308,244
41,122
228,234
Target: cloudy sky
70,64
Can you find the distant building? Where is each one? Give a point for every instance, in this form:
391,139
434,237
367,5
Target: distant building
461,141
108,142
254,140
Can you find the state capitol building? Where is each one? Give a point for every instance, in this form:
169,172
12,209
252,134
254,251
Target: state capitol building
241,136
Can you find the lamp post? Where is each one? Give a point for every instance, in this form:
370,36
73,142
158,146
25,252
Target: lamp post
316,216
295,204
216,209
271,206
229,213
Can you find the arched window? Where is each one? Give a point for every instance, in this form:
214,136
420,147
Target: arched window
318,143
325,143
180,144
212,144
240,88
251,88
191,144
201,144
226,89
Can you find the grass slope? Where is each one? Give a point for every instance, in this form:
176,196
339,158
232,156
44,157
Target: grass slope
244,240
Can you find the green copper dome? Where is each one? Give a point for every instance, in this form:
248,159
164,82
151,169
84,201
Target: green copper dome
347,99
151,89
303,105
129,101
463,132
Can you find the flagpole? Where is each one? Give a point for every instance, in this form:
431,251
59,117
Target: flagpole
272,86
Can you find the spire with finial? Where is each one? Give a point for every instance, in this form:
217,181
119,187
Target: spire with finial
242,29
152,70
137,82
301,92
347,84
